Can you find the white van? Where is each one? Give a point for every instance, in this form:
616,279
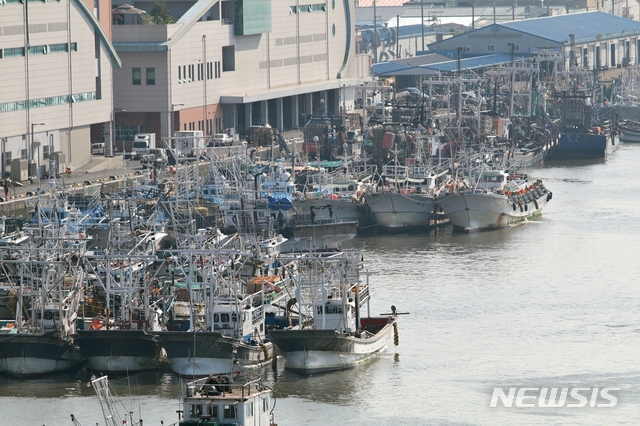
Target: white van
97,149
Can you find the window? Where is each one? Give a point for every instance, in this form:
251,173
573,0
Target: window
125,133
137,77
191,72
58,48
38,50
74,47
491,48
213,411
249,409
195,411
293,9
224,317
265,404
228,58
218,71
229,411
15,51
45,152
517,48
199,72
209,70
179,74
7,159
23,154
151,76
0,53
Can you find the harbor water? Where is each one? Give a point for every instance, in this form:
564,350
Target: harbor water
554,302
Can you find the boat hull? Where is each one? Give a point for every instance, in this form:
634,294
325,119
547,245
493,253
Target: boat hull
629,137
202,353
580,146
341,210
397,212
479,211
26,355
118,351
319,351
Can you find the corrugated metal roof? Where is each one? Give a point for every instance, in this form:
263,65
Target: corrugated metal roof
381,3
407,66
387,68
135,46
472,63
584,25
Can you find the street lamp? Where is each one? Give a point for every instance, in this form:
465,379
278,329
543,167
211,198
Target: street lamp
30,154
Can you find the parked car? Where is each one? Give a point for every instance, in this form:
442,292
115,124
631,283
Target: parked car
221,139
97,149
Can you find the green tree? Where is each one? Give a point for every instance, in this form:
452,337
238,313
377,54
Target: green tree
160,14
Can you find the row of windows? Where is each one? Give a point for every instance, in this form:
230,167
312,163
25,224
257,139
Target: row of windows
212,70
229,411
22,1
321,7
492,48
187,73
38,50
137,76
45,102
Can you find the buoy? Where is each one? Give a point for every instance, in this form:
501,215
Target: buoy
396,340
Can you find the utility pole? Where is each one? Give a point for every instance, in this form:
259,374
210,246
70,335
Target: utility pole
422,21
375,34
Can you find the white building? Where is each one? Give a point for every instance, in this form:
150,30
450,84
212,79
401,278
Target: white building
55,95
228,65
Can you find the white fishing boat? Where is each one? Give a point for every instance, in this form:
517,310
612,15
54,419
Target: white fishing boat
218,318
210,401
330,333
493,200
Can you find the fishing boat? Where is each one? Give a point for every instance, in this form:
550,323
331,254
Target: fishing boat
629,131
493,200
329,332
39,340
406,201
210,401
218,324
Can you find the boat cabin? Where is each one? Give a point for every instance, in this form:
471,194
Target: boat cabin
215,400
336,313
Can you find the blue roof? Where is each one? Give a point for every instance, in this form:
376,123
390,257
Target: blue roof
471,63
387,67
584,25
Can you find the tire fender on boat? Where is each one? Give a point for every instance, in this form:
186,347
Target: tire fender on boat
550,196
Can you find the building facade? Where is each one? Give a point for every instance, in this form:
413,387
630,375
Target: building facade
225,66
595,40
55,95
